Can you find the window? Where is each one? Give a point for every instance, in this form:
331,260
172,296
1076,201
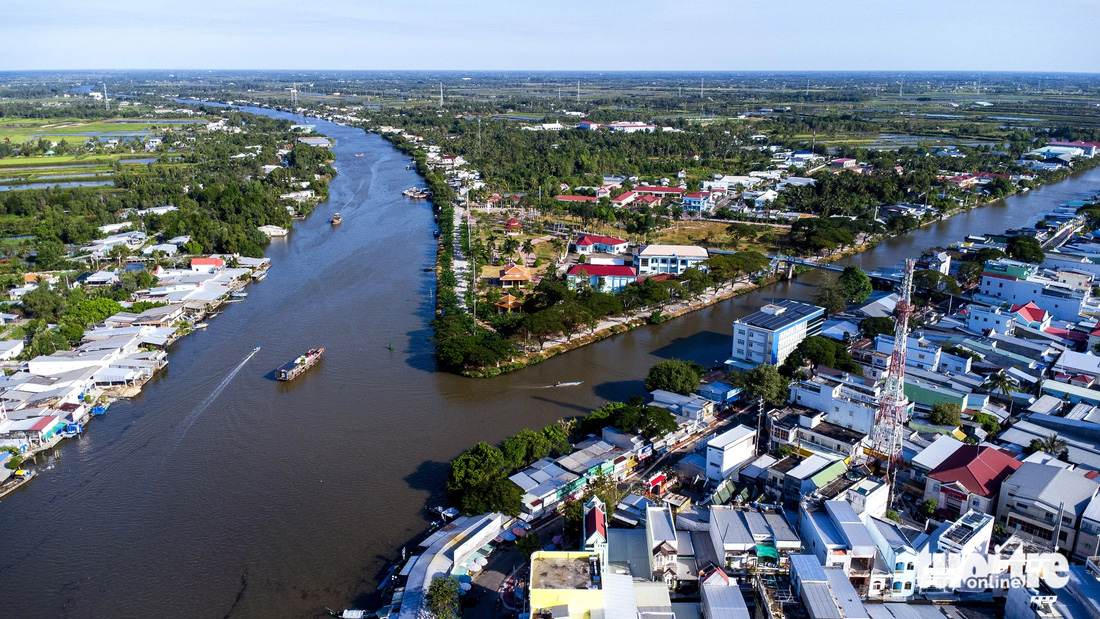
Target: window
908,586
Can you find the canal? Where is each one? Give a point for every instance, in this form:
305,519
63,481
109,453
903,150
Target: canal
202,498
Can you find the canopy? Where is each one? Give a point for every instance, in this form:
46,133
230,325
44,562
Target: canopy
519,531
767,552
466,586
509,537
473,567
482,561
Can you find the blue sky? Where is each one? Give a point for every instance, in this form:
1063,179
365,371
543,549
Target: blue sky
988,35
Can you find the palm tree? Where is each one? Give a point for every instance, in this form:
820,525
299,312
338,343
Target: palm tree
558,245
1055,446
509,246
1003,384
528,248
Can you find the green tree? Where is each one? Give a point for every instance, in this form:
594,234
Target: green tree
529,544
830,296
764,381
442,599
1000,382
1025,249
656,422
481,463
43,302
946,414
929,507
674,375
1053,445
935,285
820,350
875,326
854,285
48,253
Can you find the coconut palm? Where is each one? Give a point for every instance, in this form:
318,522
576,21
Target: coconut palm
509,246
1003,384
1055,445
528,247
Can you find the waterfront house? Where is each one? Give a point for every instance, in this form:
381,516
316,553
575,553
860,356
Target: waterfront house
671,259
601,277
207,265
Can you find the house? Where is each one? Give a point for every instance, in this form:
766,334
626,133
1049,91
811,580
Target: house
933,455
594,243
623,199
514,276
1031,315
772,333
594,528
569,198
807,433
899,555
207,265
969,479
743,538
791,485
1046,504
273,231
601,277
698,201
10,349
688,409
672,259
952,543
726,452
939,261
721,598
981,319
825,593
844,163
833,532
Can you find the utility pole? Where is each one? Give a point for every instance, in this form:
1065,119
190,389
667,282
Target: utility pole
106,105
760,426
440,94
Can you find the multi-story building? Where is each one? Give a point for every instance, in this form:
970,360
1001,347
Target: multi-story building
772,333
743,539
833,532
848,401
672,259
728,451
1046,504
899,555
1018,283
953,542
808,432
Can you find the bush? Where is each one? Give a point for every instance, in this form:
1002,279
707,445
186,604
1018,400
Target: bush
945,414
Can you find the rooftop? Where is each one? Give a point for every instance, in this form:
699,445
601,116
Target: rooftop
978,469
780,314
561,570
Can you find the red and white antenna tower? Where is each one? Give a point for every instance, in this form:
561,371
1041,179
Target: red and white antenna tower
893,405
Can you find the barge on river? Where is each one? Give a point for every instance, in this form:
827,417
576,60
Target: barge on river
293,369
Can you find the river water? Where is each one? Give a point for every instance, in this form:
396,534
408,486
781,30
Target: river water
202,498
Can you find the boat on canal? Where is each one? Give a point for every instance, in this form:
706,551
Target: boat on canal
568,384
336,219
294,369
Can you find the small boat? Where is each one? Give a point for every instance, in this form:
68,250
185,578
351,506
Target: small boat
358,154
568,384
429,269
336,219
238,294
214,315
436,234
259,276
293,369
199,326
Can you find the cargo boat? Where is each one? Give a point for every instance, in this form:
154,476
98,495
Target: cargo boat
293,369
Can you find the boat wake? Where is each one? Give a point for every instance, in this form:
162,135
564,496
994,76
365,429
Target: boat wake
193,416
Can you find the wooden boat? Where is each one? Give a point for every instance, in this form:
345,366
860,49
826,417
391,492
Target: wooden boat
336,219
294,369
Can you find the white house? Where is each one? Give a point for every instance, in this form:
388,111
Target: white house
594,243
673,259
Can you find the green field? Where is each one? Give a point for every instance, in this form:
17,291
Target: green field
73,130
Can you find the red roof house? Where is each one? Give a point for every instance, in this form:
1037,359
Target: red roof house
1032,315
969,479
206,265
589,243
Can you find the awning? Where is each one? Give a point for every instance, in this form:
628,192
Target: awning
767,552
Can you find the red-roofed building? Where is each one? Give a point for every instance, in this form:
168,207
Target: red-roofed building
700,201
648,190
514,275
969,479
1031,315
624,199
595,528
512,226
207,265
588,125
594,243
601,277
568,198
647,200
843,162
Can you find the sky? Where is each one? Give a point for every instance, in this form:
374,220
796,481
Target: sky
598,35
